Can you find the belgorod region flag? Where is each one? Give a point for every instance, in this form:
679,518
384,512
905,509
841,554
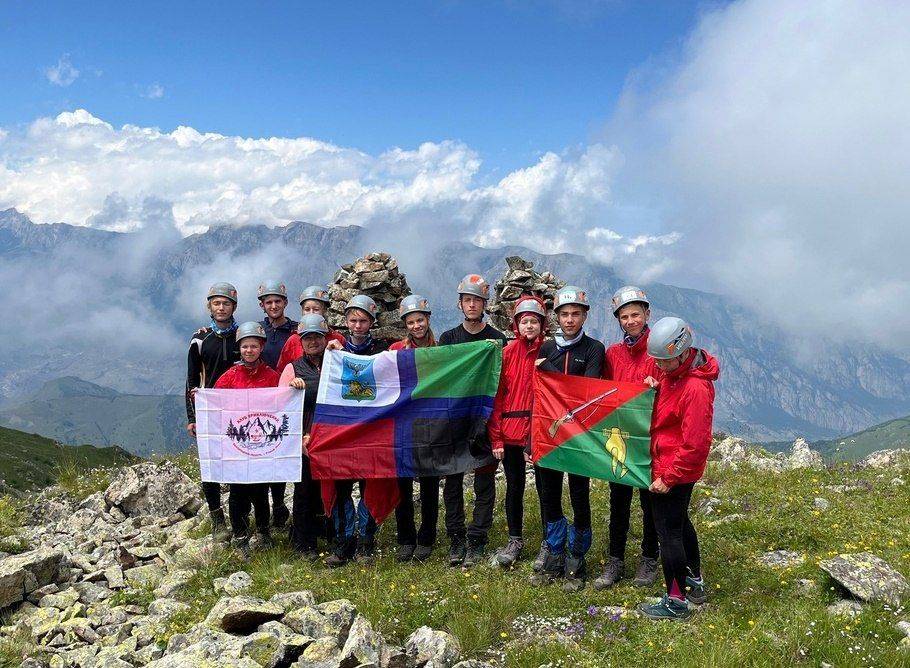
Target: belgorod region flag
592,427
404,413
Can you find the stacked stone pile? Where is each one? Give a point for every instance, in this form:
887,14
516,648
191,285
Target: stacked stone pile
521,279
376,275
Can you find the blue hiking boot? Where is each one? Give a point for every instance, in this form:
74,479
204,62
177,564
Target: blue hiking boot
695,591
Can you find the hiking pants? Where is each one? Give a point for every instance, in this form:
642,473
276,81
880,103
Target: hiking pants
620,511
241,498
514,466
408,534
678,540
305,511
484,501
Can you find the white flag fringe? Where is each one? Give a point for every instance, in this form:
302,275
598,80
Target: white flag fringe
250,436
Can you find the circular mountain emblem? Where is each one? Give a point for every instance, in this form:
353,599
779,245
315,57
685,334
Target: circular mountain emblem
258,434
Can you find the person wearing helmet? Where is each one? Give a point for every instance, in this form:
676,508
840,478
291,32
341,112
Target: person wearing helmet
628,361
303,374
467,544
314,299
571,352
273,299
358,540
413,543
213,350
681,425
509,427
249,373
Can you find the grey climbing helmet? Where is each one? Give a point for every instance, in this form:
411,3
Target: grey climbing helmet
474,284
276,288
571,294
529,305
670,337
251,328
629,294
364,303
414,304
223,290
312,323
317,292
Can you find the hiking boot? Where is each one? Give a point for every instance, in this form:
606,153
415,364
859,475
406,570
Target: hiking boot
554,567
366,548
511,552
666,608
423,552
262,541
405,553
242,545
457,551
220,531
611,575
695,591
474,554
541,557
336,560
575,573
309,554
280,516
646,575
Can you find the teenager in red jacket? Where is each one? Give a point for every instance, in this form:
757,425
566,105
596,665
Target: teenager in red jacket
509,427
680,441
628,361
414,543
251,372
314,299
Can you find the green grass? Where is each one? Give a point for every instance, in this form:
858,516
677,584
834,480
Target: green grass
10,521
756,616
29,461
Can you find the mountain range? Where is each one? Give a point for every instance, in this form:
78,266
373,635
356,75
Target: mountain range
772,387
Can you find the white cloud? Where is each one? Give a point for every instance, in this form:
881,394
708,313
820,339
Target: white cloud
153,92
779,146
63,73
81,169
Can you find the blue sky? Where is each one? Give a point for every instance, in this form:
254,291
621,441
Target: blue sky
510,79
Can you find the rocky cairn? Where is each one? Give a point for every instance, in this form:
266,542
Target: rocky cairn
521,279
376,275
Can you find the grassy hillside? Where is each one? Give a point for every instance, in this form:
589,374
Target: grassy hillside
73,411
756,616
30,461
886,436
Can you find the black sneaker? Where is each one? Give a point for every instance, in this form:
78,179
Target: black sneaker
474,554
423,552
220,531
511,552
611,575
695,591
280,516
646,575
405,553
575,574
263,541
541,557
242,545
457,551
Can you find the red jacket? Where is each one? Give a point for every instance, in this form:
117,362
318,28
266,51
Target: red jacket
510,423
238,377
630,364
398,345
681,420
293,349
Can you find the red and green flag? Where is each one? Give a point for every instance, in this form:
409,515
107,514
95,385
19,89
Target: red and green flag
592,427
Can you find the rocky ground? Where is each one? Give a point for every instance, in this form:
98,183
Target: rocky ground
807,564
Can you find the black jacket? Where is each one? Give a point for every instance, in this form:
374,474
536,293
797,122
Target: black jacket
275,338
210,355
585,358
305,369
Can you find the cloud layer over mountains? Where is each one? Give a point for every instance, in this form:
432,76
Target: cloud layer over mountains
767,158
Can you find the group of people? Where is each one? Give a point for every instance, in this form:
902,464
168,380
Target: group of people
281,352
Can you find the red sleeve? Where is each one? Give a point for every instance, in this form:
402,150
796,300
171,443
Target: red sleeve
225,380
291,351
698,413
607,373
494,425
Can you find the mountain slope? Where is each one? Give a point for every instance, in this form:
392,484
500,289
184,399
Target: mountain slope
29,461
74,411
886,436
768,390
